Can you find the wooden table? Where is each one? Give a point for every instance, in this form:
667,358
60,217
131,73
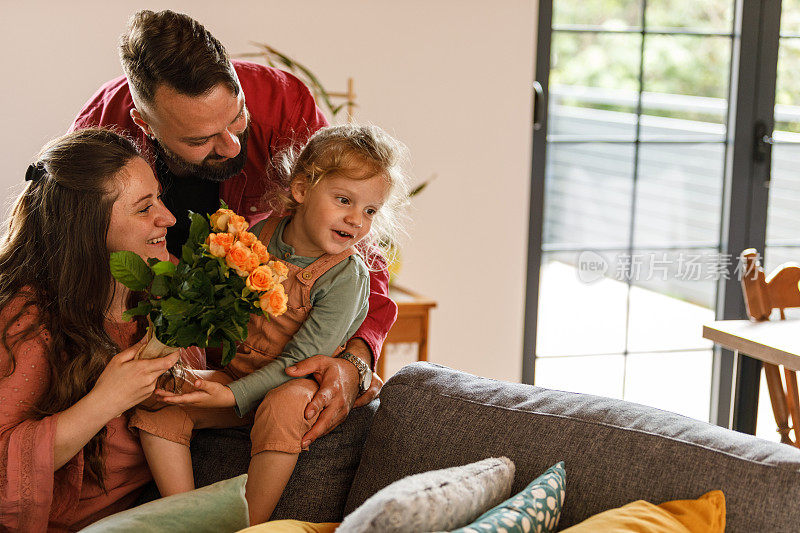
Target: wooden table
773,341
412,323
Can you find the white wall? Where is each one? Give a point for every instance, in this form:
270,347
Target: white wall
450,78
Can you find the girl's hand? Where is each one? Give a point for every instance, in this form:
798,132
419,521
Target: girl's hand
126,381
208,394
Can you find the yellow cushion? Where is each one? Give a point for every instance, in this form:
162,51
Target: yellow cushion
292,526
706,514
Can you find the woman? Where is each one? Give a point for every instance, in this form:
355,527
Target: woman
67,373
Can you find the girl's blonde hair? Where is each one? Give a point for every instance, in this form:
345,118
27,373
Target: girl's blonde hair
356,152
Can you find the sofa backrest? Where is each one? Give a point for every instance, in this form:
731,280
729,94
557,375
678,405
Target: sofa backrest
615,452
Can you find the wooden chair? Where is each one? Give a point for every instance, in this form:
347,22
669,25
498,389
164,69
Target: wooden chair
763,294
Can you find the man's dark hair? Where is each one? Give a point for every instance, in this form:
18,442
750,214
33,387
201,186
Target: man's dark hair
173,48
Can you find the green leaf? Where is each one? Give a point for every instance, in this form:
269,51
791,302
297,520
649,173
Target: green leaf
188,291
222,204
130,270
190,335
228,351
141,309
198,230
233,330
164,268
175,323
421,187
160,286
225,302
187,254
175,307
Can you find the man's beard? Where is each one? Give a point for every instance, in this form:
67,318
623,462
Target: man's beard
208,169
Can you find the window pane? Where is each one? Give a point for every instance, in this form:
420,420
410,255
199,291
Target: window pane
579,314
608,14
790,16
679,195
588,194
671,297
678,382
783,215
775,256
787,97
596,374
686,77
597,71
707,15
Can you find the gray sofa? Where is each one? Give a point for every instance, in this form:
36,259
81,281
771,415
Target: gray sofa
432,417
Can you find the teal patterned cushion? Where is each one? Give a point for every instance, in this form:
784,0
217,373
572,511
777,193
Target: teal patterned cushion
536,508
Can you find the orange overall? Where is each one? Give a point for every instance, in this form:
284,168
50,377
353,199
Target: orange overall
279,422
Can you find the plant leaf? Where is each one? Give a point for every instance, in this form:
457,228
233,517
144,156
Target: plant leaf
175,307
141,309
190,335
130,270
164,268
199,229
187,254
228,351
160,286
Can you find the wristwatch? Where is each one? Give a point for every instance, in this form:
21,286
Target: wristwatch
364,371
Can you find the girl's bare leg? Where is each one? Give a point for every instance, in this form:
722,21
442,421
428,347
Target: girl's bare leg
170,463
267,476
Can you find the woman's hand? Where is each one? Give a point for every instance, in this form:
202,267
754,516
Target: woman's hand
208,394
126,381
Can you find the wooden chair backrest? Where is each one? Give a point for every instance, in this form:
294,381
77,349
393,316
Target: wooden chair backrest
762,294
780,290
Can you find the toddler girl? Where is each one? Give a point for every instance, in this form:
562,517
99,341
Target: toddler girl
345,187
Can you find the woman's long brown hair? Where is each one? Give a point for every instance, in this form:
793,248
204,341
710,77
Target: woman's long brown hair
54,255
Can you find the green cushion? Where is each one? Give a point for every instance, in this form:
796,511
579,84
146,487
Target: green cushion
219,507
536,508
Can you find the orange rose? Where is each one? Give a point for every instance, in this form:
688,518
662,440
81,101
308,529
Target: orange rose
219,243
219,220
260,279
274,301
261,251
252,262
247,238
240,258
281,270
237,224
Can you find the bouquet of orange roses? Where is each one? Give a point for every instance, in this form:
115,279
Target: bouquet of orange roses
224,275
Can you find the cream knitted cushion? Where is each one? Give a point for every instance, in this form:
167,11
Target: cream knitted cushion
434,501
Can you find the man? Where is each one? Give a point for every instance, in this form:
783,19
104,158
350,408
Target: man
210,127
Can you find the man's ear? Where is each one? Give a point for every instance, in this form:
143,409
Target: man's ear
299,189
139,121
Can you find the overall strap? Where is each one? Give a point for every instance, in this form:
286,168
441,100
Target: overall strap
309,275
268,229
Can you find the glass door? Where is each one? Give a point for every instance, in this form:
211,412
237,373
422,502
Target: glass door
633,241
